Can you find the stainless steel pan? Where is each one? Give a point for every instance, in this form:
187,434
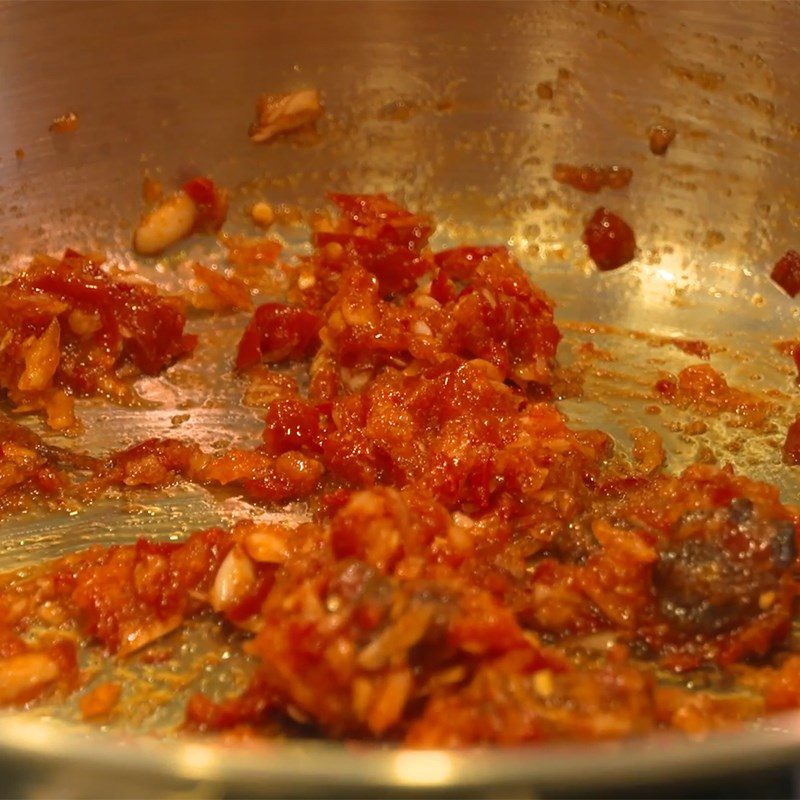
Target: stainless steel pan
435,103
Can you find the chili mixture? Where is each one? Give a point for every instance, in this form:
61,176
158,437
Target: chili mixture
474,569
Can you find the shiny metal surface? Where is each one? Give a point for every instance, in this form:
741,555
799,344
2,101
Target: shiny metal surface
434,103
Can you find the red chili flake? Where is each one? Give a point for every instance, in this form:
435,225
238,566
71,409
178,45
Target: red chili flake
201,190
610,240
211,201
291,424
786,272
277,333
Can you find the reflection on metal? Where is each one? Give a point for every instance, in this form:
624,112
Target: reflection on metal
422,768
198,762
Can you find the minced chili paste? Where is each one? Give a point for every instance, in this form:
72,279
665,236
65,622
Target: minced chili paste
474,570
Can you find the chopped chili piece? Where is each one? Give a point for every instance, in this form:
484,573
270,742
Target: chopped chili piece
786,272
292,424
277,333
610,240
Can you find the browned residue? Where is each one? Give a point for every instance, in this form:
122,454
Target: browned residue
696,347
702,77
660,138
704,389
592,178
